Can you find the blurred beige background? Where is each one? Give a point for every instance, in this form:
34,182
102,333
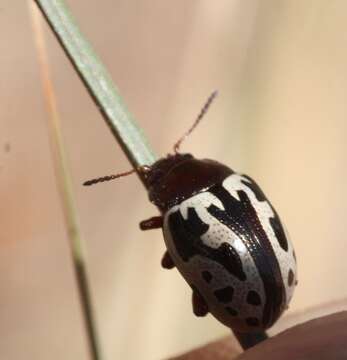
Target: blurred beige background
281,69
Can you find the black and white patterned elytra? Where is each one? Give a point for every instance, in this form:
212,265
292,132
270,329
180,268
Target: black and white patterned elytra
225,238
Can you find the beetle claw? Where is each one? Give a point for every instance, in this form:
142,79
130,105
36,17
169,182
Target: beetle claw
167,262
200,307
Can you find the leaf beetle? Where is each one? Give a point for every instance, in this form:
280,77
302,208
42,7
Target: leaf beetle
224,237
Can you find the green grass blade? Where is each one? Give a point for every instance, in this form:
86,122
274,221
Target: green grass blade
98,82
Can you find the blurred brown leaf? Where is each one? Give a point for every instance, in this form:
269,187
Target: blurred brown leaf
324,338
227,348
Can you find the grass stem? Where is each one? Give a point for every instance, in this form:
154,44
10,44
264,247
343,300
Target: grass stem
65,188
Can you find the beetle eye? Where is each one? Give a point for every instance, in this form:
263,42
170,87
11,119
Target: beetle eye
156,176
145,170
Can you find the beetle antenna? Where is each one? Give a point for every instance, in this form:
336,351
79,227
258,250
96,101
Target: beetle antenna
197,120
107,178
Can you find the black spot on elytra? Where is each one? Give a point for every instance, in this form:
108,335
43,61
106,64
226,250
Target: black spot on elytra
231,311
279,232
290,277
253,298
186,235
257,191
275,221
227,256
207,276
224,295
252,321
243,219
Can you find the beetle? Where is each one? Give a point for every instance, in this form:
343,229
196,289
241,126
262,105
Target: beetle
224,237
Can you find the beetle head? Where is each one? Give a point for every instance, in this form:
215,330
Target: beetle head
177,177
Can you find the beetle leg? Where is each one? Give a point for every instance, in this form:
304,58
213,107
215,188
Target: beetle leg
154,222
200,307
167,262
